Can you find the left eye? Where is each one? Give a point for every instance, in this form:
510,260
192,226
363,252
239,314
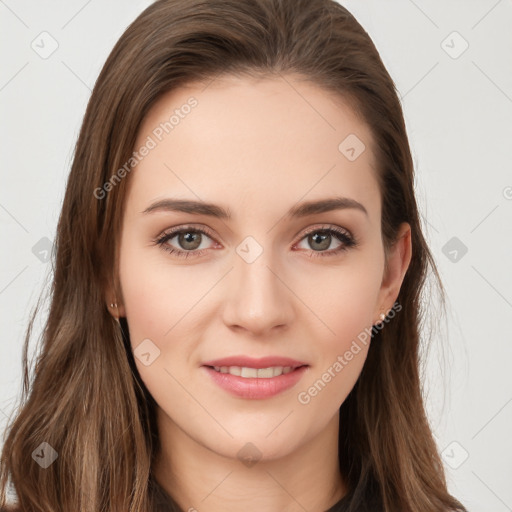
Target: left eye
190,241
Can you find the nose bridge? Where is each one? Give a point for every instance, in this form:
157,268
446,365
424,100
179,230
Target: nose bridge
258,299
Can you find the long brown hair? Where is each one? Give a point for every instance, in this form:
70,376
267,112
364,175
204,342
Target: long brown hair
85,398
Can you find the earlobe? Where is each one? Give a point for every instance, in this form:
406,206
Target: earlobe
114,304
398,260
116,310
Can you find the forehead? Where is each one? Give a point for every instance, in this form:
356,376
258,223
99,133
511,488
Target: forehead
266,139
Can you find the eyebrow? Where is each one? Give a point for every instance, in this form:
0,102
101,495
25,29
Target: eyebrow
301,210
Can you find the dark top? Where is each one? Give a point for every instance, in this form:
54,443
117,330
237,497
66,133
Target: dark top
164,503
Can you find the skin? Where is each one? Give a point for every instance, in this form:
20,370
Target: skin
256,147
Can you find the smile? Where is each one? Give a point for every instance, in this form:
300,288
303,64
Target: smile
260,373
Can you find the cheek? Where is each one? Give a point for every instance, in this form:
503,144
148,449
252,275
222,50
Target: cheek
156,300
344,305
156,294
345,298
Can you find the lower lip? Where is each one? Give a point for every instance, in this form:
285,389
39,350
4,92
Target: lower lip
256,388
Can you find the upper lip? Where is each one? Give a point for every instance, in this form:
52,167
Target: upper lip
251,362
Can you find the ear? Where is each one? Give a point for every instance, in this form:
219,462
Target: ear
398,259
114,301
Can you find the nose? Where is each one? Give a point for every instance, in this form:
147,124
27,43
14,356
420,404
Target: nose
258,298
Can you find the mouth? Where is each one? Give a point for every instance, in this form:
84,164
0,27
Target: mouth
258,379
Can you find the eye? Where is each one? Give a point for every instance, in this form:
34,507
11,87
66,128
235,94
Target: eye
189,240
321,239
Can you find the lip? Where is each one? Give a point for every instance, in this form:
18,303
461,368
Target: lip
251,362
253,387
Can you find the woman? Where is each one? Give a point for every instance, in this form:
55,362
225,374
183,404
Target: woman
235,309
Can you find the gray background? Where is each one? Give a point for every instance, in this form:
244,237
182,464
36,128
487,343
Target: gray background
458,108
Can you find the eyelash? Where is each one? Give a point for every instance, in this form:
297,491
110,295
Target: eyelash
342,235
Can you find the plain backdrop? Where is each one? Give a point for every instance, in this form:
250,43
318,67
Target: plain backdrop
451,62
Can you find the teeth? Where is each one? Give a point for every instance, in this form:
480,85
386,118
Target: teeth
249,372
260,373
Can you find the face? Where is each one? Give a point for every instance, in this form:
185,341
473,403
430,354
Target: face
259,274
